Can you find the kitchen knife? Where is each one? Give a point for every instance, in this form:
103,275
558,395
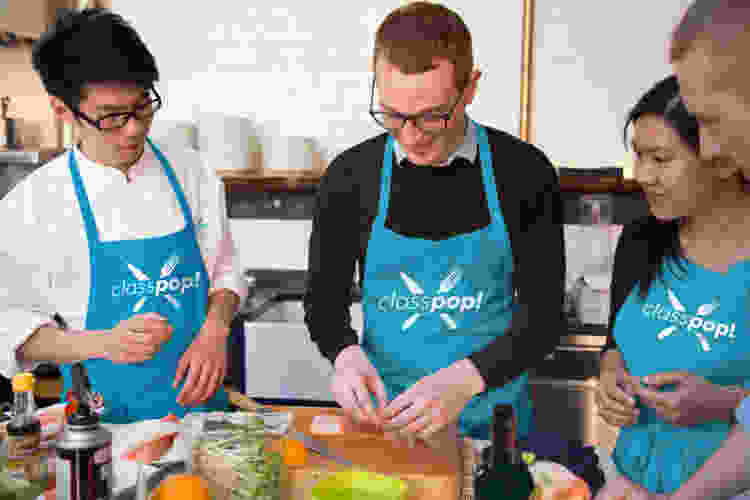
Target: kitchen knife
319,448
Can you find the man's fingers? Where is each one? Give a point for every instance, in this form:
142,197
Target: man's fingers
623,405
344,394
427,435
187,388
363,402
417,409
200,386
617,419
419,424
399,404
377,387
212,381
181,368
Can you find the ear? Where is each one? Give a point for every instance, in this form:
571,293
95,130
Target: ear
471,88
61,110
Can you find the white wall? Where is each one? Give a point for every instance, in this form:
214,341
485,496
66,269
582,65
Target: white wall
308,66
306,63
594,60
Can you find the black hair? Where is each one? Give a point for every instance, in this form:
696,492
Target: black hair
92,45
663,238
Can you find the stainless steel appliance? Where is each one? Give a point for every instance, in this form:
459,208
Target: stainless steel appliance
564,385
563,388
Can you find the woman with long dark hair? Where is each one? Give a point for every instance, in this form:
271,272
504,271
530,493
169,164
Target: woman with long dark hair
679,302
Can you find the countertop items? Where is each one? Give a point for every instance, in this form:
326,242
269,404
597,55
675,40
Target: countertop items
432,474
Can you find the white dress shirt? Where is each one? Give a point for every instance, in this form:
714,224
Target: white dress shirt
44,255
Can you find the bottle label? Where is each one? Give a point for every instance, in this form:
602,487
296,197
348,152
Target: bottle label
25,457
85,474
505,437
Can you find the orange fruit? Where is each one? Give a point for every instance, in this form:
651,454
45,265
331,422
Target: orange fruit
182,487
294,453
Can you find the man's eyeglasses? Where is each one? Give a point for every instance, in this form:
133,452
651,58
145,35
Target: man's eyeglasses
116,121
431,123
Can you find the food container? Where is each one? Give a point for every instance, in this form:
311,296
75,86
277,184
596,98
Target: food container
236,453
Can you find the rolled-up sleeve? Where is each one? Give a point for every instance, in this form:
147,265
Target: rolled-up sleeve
25,293
215,237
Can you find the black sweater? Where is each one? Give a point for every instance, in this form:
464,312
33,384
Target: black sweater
530,200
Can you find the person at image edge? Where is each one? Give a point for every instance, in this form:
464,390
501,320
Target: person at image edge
684,321
127,241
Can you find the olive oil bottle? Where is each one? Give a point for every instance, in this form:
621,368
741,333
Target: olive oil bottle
507,476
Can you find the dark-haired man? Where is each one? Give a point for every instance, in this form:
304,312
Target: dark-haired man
125,245
456,230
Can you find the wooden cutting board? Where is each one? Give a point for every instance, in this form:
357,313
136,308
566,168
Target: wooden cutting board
430,474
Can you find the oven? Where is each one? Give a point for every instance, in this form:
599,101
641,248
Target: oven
273,358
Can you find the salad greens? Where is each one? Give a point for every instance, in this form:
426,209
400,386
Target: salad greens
244,447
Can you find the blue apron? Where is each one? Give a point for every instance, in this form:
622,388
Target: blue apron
428,304
165,275
697,325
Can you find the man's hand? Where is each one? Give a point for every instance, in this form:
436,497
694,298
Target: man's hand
136,339
614,397
694,400
205,363
435,401
354,382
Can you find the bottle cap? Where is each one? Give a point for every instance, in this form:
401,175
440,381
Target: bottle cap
23,382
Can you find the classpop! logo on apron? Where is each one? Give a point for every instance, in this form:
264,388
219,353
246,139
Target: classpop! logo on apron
419,304
166,286
698,323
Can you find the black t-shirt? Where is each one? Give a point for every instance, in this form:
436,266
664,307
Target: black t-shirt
438,203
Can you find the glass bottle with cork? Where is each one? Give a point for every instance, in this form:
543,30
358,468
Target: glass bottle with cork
506,476
24,432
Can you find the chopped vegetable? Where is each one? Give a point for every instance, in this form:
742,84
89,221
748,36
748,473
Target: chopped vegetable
243,446
295,454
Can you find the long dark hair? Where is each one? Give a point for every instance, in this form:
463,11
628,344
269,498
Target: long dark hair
663,238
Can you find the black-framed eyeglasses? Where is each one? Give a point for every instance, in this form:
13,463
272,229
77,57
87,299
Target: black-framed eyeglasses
431,123
116,121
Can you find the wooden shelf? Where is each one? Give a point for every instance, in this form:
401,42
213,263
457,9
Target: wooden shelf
280,181
582,184
269,181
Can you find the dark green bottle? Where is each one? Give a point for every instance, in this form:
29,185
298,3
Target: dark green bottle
507,477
